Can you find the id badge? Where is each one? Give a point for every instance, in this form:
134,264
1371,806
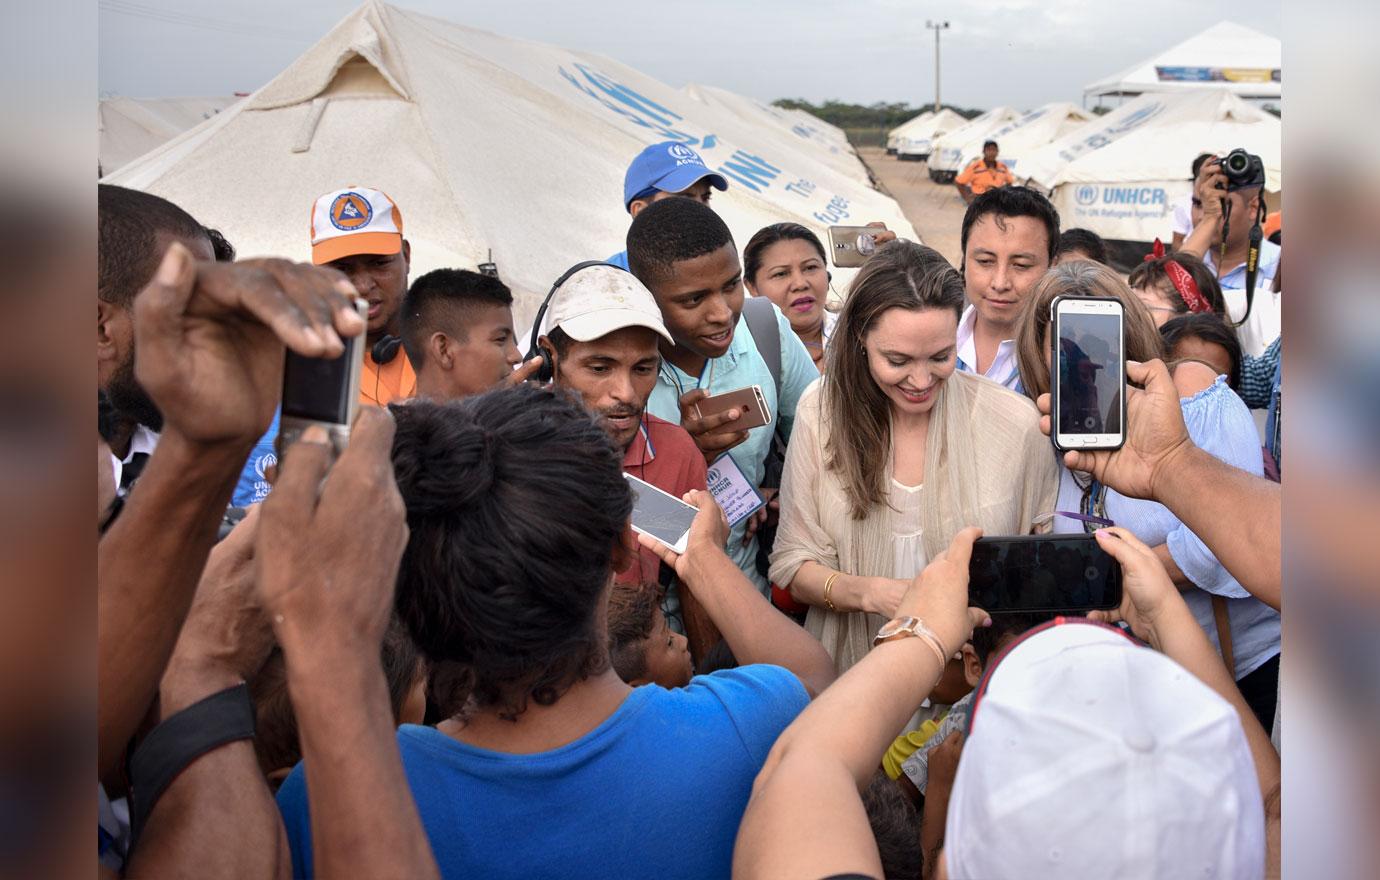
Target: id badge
732,490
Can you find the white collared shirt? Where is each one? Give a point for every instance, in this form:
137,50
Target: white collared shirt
142,440
1003,369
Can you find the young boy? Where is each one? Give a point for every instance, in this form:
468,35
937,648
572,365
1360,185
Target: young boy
643,649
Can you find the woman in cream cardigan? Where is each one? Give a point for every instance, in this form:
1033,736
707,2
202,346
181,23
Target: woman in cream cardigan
893,452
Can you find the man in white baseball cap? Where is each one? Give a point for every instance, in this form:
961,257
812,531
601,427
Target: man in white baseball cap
1089,755
599,336
359,231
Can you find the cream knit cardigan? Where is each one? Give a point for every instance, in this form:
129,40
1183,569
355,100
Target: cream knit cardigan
986,463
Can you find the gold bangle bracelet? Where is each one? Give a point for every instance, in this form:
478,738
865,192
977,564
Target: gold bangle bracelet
828,587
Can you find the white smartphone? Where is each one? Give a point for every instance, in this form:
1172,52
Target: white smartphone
660,514
1088,372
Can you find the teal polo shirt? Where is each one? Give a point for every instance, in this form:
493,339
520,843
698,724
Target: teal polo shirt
739,367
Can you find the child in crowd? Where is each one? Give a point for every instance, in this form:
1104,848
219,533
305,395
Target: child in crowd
1205,337
642,647
275,738
907,761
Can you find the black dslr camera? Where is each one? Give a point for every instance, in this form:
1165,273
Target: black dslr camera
1243,170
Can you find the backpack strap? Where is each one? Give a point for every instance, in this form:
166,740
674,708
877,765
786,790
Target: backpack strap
760,315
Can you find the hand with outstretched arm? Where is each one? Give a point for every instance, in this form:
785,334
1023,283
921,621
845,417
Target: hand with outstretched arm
1158,614
1235,514
327,585
754,630
806,817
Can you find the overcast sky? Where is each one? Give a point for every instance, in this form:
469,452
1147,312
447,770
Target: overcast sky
1017,52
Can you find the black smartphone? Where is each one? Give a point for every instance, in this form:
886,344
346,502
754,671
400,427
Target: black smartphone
1030,573
1087,373
322,391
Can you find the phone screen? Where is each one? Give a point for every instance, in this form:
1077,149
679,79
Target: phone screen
1043,573
1090,367
658,514
318,388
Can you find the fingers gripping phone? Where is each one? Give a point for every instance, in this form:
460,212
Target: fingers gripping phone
322,391
852,245
1043,573
660,514
750,403
1088,373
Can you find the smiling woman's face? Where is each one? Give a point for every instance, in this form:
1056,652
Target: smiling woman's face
910,354
793,276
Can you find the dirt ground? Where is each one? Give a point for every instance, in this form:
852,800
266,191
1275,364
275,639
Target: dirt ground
935,211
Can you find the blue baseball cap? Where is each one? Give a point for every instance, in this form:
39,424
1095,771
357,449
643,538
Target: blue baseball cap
669,166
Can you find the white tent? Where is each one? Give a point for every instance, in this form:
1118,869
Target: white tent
1015,138
915,138
1226,55
977,128
895,134
1124,187
130,127
826,147
485,142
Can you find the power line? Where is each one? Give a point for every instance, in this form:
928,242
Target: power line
169,16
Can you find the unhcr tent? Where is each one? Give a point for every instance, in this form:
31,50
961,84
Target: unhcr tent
895,134
978,128
487,144
1123,185
1015,138
1227,55
785,127
130,127
916,137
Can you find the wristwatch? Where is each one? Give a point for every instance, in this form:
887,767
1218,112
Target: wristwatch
900,627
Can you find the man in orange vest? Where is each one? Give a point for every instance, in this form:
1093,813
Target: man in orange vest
360,232
983,174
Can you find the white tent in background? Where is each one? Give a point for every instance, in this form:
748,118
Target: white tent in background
1226,55
130,127
915,138
1015,138
1124,185
487,143
894,134
977,127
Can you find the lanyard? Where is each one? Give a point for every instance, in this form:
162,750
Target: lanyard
699,382
1094,507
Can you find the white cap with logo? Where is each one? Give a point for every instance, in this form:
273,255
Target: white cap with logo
1092,756
598,300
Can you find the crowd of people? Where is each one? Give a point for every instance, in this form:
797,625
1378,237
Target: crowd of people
443,651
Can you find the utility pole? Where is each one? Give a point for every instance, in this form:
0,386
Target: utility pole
936,26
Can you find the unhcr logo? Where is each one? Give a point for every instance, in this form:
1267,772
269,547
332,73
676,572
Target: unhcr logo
1086,195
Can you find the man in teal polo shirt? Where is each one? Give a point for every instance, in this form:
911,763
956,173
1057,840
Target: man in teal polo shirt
683,252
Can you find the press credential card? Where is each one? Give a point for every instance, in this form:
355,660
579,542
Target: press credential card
733,491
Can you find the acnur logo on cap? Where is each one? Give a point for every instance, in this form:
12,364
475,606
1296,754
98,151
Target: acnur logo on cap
350,211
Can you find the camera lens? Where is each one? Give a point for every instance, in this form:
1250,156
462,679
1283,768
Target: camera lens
1238,162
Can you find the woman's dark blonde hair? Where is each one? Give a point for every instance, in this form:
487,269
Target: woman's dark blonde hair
902,275
1078,278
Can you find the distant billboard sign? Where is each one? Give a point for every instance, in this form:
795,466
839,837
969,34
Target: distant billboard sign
1218,74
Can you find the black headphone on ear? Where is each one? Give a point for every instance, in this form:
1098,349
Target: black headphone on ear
534,348
386,348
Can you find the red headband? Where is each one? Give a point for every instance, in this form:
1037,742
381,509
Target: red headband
1183,282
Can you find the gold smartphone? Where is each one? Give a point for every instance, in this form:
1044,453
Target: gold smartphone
750,403
852,245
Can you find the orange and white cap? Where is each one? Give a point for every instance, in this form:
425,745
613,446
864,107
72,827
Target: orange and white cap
354,220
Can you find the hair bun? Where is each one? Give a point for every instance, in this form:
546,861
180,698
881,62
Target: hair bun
443,466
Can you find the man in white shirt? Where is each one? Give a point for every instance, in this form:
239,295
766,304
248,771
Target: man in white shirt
1226,256
1009,237
1183,209
135,229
